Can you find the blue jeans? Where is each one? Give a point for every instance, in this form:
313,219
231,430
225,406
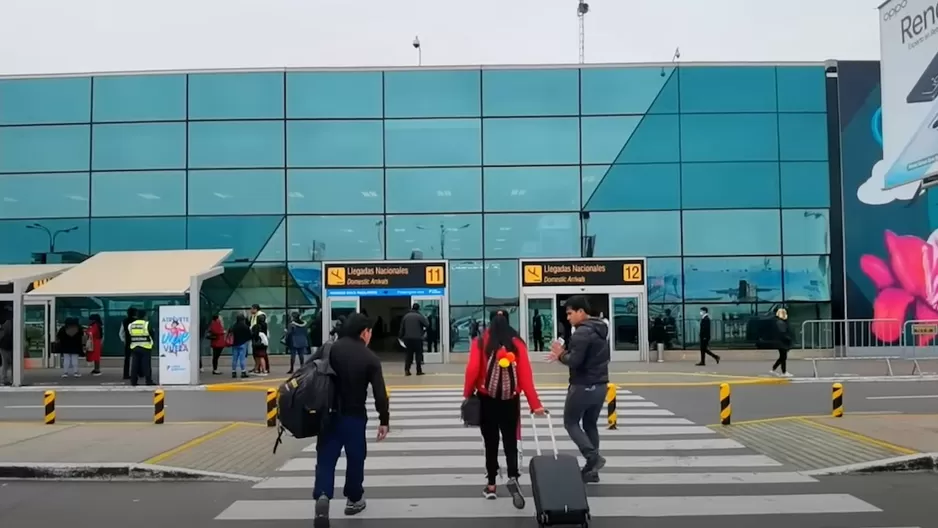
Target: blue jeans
583,405
297,353
347,432
239,357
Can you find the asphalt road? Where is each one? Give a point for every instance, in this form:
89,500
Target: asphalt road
699,404
904,498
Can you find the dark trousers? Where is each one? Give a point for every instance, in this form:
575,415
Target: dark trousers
538,342
782,360
433,344
216,354
705,351
581,412
414,354
127,362
344,432
141,368
500,418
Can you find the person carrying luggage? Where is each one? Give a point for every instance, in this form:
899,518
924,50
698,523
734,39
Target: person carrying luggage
498,371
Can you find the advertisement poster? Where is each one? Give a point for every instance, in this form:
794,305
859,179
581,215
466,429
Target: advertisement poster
175,339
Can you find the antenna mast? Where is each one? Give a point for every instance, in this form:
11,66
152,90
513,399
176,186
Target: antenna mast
582,9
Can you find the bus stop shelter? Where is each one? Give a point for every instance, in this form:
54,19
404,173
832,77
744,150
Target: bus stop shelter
118,274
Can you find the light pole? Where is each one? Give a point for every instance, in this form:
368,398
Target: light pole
53,235
443,231
416,45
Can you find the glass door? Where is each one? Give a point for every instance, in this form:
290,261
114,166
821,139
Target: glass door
337,307
437,337
629,324
37,342
539,323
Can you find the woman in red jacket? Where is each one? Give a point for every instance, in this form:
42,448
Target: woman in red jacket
499,371
216,336
95,333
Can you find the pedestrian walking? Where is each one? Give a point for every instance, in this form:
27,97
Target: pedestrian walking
783,340
414,326
705,338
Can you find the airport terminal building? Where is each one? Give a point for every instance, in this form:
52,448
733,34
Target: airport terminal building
656,190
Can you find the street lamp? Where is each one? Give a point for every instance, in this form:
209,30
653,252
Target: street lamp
53,235
443,231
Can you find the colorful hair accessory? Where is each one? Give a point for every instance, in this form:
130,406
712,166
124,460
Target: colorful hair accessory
510,357
503,363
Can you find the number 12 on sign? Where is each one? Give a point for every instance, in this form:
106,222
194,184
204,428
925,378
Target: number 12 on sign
632,273
434,275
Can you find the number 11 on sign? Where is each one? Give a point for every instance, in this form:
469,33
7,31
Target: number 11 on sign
434,275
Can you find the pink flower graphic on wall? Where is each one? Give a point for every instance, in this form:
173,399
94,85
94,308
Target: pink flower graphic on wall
907,285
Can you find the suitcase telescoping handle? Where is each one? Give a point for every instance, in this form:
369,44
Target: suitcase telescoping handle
550,429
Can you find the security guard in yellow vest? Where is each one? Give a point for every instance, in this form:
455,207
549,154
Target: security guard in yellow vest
141,344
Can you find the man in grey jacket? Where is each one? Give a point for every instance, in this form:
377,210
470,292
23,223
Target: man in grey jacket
587,357
413,328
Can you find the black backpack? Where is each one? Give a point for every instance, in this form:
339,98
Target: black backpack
306,400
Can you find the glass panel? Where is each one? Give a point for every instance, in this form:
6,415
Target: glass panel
262,284
465,322
434,93
639,234
625,323
630,187
731,325
465,282
805,232
36,101
729,185
727,89
752,280
508,93
532,235
517,189
334,95
501,282
233,144
729,137
672,317
628,91
434,236
541,325
801,89
239,95
341,308
732,232
306,287
807,278
334,144
44,195
339,191
434,190
140,98
45,148
805,184
335,238
158,193
513,316
631,139
35,339
532,141
20,240
140,146
802,137
245,235
233,192
276,248
665,280
604,137
433,142
123,234
430,308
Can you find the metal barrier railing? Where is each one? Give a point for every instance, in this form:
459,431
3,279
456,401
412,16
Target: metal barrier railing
861,337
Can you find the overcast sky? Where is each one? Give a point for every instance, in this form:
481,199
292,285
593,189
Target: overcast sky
68,36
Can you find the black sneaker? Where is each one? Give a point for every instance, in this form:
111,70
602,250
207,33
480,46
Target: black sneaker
590,477
594,464
517,499
244,375
355,507
407,373
234,375
321,512
488,493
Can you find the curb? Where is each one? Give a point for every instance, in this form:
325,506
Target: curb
917,462
855,379
113,471
105,388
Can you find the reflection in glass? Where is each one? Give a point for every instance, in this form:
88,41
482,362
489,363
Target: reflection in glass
532,141
329,94
341,308
630,188
433,190
334,144
433,142
140,98
665,280
246,236
431,93
45,148
532,235
625,323
241,95
728,89
732,325
517,189
608,91
123,234
139,146
541,325
501,282
44,195
802,137
807,278
233,192
51,100
235,144
729,137
465,282
335,238
636,234
672,316
261,284
20,241
729,185
805,232
752,280
732,232
157,193
465,324
335,191
510,93
434,236
805,184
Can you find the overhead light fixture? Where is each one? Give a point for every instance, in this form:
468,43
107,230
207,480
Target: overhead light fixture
294,194
399,229
222,196
444,193
148,196
76,198
7,199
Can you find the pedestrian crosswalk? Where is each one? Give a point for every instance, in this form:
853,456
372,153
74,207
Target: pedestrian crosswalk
658,465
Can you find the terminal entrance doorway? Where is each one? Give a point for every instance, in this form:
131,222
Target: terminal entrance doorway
615,289
385,291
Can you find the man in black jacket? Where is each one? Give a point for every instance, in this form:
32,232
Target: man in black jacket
587,356
356,367
705,338
125,338
414,326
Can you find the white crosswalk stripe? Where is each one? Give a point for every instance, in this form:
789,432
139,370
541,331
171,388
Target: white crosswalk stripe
430,468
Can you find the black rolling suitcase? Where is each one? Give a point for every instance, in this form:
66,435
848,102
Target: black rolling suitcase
557,486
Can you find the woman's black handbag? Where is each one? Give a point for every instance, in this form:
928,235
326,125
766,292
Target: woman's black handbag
471,411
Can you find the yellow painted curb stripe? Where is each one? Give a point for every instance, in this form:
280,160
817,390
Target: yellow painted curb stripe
857,437
191,443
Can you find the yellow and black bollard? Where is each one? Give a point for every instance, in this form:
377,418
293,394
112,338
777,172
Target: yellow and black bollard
48,402
612,417
726,411
271,407
159,406
837,400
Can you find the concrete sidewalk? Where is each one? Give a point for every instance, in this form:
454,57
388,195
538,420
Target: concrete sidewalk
233,448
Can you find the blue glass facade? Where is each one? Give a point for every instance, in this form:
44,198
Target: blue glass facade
717,174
